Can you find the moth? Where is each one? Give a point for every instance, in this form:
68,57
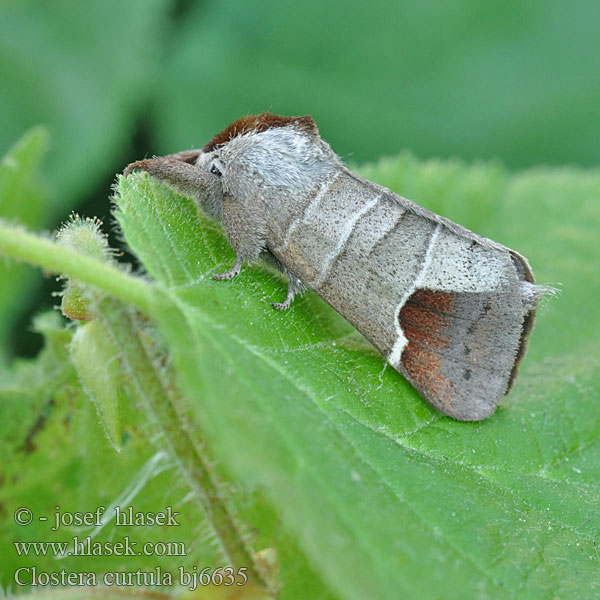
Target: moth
449,309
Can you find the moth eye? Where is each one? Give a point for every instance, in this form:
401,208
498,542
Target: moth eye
214,170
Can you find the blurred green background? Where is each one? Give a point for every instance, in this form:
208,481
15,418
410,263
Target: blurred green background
117,80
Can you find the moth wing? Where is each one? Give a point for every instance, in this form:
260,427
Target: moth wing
467,320
461,351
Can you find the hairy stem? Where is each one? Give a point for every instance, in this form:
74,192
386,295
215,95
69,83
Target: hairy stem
144,377
22,245
160,401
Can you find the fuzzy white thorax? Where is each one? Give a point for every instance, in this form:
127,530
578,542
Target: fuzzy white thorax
284,157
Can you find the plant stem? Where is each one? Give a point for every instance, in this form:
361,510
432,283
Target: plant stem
22,245
146,382
148,387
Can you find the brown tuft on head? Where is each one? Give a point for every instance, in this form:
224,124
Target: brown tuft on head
259,123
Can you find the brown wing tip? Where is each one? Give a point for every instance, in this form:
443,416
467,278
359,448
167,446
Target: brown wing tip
460,349
259,123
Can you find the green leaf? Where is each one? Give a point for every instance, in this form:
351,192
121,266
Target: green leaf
56,459
83,71
143,378
22,198
96,359
21,194
380,494
510,80
55,454
387,497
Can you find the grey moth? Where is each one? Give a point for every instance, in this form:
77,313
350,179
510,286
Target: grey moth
449,309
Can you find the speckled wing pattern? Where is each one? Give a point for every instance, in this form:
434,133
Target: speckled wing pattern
450,310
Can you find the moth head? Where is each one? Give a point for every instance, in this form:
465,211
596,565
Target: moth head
215,166
268,150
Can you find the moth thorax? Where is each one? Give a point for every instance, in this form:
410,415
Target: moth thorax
279,157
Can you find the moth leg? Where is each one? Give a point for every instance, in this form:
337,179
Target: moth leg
160,166
245,228
294,286
235,270
176,172
179,171
186,156
288,299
